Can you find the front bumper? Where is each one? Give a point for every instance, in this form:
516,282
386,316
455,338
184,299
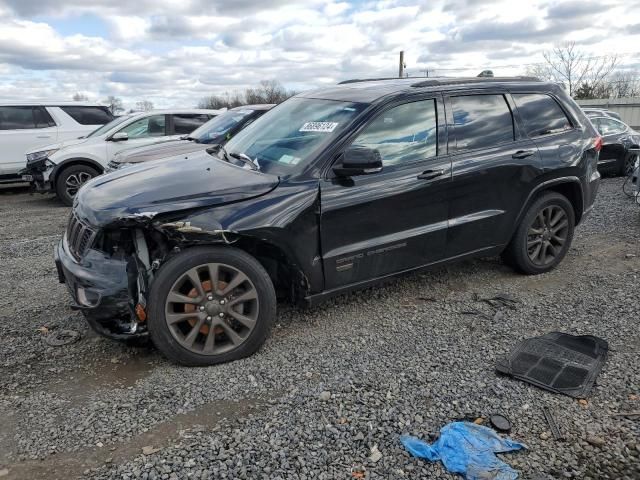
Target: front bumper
38,174
99,287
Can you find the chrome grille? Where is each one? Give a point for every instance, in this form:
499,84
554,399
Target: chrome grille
79,236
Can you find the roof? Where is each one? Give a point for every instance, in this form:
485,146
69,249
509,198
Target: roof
369,90
51,103
257,106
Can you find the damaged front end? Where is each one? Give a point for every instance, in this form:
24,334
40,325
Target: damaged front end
109,271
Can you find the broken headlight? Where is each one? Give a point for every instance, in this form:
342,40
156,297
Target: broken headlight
41,155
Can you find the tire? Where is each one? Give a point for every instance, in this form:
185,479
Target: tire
626,166
186,341
67,187
524,243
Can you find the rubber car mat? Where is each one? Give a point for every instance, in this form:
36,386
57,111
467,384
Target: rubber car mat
558,362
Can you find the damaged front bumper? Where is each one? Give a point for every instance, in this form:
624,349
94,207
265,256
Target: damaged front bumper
101,287
38,174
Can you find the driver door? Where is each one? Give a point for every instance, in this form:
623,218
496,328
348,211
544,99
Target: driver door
383,223
143,131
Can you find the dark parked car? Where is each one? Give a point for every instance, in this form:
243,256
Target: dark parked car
330,191
619,146
217,130
601,112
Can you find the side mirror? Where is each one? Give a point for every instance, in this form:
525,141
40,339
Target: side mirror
119,137
358,160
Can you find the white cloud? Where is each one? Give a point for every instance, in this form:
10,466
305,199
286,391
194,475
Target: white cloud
173,52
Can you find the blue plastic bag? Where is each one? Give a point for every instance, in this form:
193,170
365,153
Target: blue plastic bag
468,449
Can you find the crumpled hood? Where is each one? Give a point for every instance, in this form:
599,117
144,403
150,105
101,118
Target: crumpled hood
156,151
168,185
59,145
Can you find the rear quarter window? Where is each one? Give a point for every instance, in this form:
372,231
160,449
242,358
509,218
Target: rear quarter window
541,114
88,115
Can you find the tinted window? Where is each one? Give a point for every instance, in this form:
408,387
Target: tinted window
153,126
404,133
609,126
42,118
541,114
16,118
481,121
88,115
186,123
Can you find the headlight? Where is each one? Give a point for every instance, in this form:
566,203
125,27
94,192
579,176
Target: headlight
35,156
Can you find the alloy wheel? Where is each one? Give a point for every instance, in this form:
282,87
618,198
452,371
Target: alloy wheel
212,309
75,181
547,235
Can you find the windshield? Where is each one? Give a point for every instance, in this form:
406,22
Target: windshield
214,128
108,126
285,139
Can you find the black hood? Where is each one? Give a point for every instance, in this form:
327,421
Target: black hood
168,185
159,150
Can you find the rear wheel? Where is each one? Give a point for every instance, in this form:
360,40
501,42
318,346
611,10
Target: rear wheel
628,165
543,236
211,305
71,179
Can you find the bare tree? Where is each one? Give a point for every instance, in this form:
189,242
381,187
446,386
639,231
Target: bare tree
574,68
114,104
144,106
80,97
268,91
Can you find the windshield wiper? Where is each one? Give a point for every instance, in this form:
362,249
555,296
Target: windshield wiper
246,159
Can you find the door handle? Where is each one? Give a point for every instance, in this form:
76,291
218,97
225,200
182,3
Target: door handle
43,136
431,174
522,154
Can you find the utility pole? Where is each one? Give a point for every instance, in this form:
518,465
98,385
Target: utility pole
401,69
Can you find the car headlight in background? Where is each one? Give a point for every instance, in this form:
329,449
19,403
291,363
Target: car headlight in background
35,156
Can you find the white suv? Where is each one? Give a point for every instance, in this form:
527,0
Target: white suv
27,126
64,167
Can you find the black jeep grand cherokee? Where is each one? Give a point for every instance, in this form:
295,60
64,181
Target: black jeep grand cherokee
331,190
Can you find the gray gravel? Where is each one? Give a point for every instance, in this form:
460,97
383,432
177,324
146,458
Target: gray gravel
334,384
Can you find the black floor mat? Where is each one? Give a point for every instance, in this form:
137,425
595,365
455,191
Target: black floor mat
558,362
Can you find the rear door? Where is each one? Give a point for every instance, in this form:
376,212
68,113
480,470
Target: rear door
492,167
377,224
23,128
613,148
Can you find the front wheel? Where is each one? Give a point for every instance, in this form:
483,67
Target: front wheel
71,179
211,305
543,236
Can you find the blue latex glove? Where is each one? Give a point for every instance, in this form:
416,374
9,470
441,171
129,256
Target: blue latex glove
468,449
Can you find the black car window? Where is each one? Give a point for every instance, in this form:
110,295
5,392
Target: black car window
481,121
405,133
541,114
609,126
16,118
87,115
42,118
185,123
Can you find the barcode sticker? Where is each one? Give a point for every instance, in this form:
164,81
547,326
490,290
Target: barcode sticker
324,127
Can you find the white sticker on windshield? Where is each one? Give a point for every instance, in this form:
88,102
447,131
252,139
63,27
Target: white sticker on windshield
324,127
289,159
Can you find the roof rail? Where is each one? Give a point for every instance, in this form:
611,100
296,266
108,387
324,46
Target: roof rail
462,80
358,80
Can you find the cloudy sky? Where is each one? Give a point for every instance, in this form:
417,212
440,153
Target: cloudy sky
174,52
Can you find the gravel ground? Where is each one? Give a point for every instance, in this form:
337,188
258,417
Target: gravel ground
332,382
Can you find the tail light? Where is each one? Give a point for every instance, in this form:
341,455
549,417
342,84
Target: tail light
598,145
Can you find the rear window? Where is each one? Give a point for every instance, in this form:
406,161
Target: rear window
185,123
541,114
24,118
481,121
88,115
